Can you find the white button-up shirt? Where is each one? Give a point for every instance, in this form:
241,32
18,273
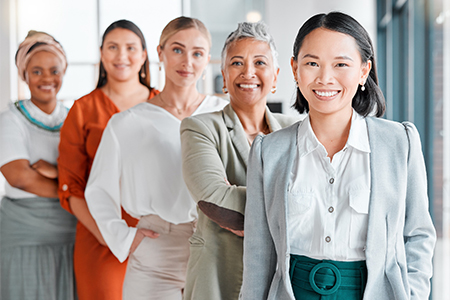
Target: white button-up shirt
329,200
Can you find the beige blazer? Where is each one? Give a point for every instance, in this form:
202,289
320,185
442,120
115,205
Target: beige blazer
215,153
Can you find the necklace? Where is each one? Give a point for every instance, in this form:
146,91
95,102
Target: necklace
179,110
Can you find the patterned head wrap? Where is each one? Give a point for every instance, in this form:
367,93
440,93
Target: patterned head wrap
34,42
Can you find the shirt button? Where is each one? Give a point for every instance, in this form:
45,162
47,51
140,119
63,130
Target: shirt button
65,187
330,209
331,181
327,239
345,149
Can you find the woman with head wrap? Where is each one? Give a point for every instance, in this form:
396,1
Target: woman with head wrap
124,81
36,234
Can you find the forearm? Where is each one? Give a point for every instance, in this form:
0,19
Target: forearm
20,175
81,211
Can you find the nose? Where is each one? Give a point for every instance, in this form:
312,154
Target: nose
248,71
325,75
187,60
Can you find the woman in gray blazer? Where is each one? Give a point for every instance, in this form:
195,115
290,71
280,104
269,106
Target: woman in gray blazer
337,204
215,148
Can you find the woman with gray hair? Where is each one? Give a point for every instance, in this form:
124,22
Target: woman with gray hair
215,149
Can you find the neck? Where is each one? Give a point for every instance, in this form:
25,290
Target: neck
331,130
179,96
48,107
252,117
122,88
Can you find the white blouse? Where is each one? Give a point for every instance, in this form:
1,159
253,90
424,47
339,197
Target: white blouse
30,134
138,166
329,200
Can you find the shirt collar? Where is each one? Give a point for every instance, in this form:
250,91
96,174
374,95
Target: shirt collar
358,137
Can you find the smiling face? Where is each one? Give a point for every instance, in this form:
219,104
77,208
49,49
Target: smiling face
185,55
329,71
44,77
122,55
249,73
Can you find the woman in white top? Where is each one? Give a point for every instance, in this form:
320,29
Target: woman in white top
138,167
337,204
36,234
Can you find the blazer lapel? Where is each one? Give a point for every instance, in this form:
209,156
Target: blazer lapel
237,133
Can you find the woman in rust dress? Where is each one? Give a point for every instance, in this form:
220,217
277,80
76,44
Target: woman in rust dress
124,81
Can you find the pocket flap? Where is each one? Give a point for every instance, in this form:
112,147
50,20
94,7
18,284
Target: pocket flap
359,201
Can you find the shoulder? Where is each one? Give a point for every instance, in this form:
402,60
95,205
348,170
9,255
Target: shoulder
387,129
87,100
285,120
279,143
212,103
10,116
209,120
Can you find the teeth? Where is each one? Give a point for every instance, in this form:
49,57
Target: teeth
326,94
249,86
46,87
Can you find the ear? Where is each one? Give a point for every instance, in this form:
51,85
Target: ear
294,66
275,77
159,50
365,71
144,56
223,77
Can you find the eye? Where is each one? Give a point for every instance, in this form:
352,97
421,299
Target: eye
177,50
341,65
260,63
312,64
36,72
236,63
112,47
198,54
131,48
55,72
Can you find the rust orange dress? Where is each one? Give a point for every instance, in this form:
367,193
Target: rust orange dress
99,275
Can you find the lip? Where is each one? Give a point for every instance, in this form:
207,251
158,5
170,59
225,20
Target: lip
120,66
326,95
184,73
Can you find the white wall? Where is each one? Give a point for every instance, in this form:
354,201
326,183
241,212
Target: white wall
285,17
7,44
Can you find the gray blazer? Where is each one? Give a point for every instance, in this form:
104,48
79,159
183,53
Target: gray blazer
215,149
400,236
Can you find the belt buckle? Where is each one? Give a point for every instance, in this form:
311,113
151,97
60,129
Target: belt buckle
336,272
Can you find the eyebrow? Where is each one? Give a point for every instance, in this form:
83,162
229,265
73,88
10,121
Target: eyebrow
115,43
337,57
182,45
241,57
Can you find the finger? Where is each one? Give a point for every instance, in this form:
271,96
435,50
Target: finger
150,233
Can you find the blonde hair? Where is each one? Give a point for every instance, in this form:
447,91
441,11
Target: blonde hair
182,23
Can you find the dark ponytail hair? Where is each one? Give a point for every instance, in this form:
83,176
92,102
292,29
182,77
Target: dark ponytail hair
144,72
364,102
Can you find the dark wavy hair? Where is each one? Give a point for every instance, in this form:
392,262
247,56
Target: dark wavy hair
364,102
145,69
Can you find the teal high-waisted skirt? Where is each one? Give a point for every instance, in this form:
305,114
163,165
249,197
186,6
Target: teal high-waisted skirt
314,279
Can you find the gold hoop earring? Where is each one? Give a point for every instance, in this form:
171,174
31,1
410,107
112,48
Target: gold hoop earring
274,90
224,90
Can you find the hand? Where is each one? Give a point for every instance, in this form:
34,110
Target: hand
141,233
236,232
46,169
